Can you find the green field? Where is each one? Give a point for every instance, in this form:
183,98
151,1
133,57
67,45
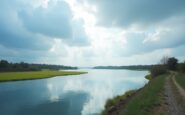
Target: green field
180,78
14,76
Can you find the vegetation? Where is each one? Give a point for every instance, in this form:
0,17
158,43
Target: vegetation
13,76
157,70
172,63
180,78
151,99
166,64
22,66
116,100
148,77
112,102
131,67
142,102
147,98
181,67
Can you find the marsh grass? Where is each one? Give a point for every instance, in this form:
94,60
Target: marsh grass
14,76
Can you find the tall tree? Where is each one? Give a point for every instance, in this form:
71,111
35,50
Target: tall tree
172,63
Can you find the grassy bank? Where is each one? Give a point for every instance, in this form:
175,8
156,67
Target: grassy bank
14,76
144,101
113,105
180,78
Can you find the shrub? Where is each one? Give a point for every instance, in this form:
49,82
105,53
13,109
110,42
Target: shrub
157,70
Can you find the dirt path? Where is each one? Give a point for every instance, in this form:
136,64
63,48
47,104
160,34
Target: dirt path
173,106
170,98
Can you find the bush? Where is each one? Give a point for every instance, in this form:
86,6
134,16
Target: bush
157,70
148,77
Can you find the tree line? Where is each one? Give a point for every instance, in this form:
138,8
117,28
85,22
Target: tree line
22,66
167,64
130,67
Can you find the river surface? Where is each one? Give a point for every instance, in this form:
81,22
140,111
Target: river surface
84,94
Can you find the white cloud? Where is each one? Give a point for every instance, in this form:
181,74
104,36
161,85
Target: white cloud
89,33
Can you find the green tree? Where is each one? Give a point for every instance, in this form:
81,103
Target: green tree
24,65
172,63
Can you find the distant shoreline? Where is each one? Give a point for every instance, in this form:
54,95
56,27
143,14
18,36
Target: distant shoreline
129,67
122,69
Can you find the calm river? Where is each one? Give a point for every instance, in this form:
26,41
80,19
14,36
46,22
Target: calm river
69,95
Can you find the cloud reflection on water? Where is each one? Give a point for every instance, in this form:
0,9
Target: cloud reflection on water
99,85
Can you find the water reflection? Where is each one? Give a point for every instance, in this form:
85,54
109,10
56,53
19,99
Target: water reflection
71,104
71,95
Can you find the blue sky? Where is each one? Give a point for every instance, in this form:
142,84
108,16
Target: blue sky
92,32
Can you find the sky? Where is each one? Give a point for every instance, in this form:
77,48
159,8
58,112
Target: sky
92,32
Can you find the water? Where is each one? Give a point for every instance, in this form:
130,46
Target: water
70,95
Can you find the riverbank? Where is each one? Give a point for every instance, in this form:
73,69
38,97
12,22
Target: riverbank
16,76
159,96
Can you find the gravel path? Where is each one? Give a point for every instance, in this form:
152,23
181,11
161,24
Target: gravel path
173,107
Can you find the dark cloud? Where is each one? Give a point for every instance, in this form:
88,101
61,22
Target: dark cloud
13,34
54,21
124,13
24,26
28,31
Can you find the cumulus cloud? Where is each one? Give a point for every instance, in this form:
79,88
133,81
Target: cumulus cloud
169,34
85,32
148,25
54,20
33,30
143,12
13,34
27,27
